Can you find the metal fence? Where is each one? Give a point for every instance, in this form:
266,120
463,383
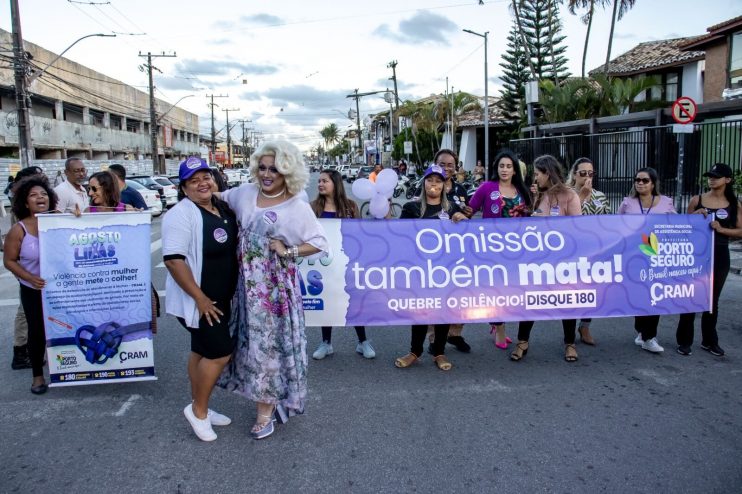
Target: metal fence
618,155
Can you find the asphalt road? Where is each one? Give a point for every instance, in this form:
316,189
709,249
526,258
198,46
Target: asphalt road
618,420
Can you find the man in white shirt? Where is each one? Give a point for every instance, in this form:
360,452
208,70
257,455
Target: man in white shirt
71,192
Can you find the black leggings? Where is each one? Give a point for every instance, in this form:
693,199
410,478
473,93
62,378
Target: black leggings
419,331
709,337
568,325
327,333
647,326
31,301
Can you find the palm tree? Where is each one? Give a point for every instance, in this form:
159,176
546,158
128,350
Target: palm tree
590,5
454,106
620,7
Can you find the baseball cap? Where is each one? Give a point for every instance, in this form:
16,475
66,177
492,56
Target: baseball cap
719,170
434,169
190,166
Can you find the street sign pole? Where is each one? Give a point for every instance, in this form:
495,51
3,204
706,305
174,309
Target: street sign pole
684,111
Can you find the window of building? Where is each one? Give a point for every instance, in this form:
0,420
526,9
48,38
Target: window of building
667,90
132,125
115,121
735,61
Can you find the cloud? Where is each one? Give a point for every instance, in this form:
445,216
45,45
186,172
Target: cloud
176,83
388,83
218,68
221,41
308,97
246,21
624,36
422,27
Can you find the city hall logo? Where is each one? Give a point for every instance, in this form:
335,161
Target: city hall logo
676,254
66,361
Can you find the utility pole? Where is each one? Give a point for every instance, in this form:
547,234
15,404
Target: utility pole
243,121
153,127
229,138
393,65
213,129
25,147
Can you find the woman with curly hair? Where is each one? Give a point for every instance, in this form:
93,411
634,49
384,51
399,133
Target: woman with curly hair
277,226
31,196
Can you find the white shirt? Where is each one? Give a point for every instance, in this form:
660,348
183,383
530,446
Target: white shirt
68,196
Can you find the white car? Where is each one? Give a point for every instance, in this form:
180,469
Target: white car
151,198
168,188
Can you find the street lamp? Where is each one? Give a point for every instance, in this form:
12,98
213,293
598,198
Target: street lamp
173,106
486,101
38,74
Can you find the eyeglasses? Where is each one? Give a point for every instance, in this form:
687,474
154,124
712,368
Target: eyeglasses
78,171
586,173
644,181
94,189
271,169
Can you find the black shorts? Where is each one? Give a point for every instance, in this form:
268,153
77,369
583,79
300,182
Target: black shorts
212,342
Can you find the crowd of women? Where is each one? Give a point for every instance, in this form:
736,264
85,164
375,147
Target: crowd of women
233,277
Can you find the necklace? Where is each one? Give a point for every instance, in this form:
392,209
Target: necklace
283,191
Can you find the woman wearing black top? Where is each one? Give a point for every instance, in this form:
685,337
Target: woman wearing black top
432,204
722,202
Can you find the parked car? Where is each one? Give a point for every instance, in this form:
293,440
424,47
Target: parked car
151,197
343,170
169,188
234,177
352,173
175,179
364,172
150,183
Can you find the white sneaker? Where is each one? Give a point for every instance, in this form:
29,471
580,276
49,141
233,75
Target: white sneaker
366,349
653,346
217,418
638,341
202,427
323,350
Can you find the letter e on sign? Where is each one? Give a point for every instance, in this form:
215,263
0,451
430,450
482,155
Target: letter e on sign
684,110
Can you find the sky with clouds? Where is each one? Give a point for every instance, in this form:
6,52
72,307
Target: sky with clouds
288,65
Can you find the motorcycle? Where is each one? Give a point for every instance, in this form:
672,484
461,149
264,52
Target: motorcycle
401,185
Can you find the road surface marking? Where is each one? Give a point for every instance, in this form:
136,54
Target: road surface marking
127,404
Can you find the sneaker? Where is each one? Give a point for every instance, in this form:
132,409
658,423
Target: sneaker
201,427
684,350
218,419
713,349
20,358
323,350
638,340
651,345
365,349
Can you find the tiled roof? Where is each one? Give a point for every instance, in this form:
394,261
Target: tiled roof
721,25
475,118
652,55
715,34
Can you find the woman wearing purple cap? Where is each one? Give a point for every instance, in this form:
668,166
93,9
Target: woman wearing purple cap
199,239
432,204
722,202
277,226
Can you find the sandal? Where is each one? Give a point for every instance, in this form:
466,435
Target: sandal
261,430
406,361
570,352
521,349
585,336
442,362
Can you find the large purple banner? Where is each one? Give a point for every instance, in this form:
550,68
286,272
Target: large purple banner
433,271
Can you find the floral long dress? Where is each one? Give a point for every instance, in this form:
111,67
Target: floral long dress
269,364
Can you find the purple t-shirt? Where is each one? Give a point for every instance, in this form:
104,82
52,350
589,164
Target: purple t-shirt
632,205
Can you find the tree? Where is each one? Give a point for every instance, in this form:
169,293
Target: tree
454,106
331,134
590,5
620,7
515,6
514,78
545,43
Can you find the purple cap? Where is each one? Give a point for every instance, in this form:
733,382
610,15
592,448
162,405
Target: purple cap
190,166
435,169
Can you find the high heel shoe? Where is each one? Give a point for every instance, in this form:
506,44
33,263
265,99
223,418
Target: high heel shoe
503,344
261,430
521,349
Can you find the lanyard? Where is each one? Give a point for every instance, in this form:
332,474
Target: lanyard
642,207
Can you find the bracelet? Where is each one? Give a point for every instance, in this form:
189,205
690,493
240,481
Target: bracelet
295,250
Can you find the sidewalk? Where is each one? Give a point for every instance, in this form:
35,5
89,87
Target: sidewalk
735,255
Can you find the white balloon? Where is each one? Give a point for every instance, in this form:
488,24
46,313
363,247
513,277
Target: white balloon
386,181
379,206
363,189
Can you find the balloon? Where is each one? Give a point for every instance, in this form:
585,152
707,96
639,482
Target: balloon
379,206
363,189
386,181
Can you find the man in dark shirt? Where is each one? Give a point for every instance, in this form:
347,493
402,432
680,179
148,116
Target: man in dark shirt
128,195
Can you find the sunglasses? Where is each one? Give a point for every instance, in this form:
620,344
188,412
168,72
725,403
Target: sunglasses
271,169
586,173
645,181
94,189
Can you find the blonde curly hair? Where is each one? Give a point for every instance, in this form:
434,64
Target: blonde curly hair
288,160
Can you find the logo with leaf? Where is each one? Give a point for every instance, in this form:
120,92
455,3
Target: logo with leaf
649,245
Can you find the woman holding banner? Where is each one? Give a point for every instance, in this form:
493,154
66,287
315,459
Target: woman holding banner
553,198
199,239
592,201
31,196
504,195
433,204
105,197
277,227
645,198
722,202
332,202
